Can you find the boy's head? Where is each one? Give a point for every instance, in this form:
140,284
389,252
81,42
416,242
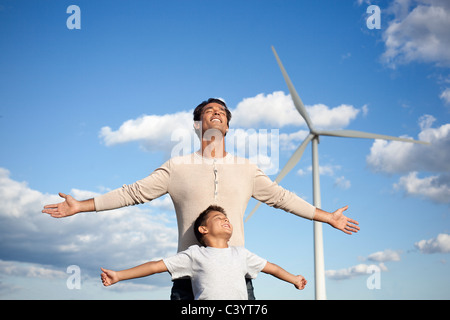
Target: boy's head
212,222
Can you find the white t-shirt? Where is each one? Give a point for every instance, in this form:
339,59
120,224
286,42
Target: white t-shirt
216,273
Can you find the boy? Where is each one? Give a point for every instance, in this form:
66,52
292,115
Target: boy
217,271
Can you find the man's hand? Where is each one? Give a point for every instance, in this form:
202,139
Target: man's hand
69,207
339,221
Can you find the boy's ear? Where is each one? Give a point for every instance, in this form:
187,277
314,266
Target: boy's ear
203,229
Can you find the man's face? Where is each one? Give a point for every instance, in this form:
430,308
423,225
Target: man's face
214,116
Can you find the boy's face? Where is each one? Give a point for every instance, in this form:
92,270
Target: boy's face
217,224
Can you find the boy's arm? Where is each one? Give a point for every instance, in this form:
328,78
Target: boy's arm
298,281
110,277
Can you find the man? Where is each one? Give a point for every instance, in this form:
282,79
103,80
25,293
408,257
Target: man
208,176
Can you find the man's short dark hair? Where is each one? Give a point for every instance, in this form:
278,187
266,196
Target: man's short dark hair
198,110
201,221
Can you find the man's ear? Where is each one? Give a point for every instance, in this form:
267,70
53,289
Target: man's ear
198,129
196,126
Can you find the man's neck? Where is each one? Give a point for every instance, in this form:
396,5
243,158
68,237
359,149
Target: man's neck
213,149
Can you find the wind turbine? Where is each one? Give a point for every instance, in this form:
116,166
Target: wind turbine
314,134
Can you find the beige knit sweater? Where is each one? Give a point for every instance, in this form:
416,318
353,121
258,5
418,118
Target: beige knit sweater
194,182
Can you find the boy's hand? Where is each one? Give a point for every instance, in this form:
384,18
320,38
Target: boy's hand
300,282
109,277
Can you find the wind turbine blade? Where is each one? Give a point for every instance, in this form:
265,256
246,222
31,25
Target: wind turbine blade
253,211
295,158
298,103
365,135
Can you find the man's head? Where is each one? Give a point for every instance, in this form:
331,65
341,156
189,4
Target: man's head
212,222
211,114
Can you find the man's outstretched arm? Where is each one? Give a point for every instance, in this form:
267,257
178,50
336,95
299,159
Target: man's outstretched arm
271,193
69,207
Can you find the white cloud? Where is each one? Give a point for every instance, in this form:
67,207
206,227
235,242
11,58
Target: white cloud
291,141
273,110
420,33
440,244
445,96
29,270
153,131
112,239
363,269
329,170
163,203
348,273
385,256
394,156
14,203
365,110
335,118
435,188
399,157
426,121
360,2
342,183
260,146
278,110
174,134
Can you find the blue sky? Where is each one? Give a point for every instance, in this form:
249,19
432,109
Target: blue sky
80,108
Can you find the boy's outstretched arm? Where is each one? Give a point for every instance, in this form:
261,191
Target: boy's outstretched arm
298,281
110,277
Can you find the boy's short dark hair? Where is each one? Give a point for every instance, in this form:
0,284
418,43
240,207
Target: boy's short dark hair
198,110
201,221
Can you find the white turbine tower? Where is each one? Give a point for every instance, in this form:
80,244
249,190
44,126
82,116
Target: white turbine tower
314,134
